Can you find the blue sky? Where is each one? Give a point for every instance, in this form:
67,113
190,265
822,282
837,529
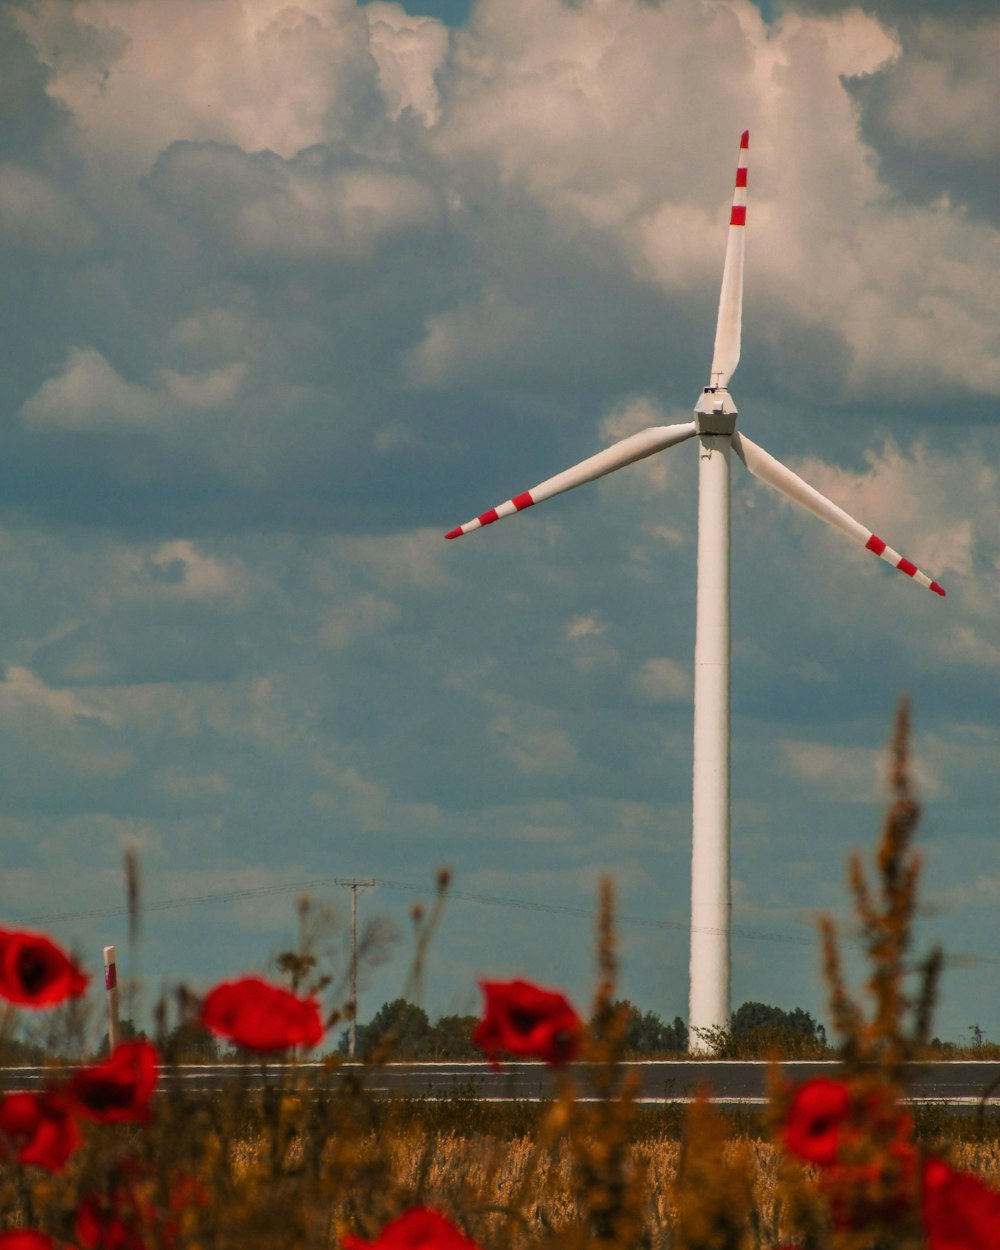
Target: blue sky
292,290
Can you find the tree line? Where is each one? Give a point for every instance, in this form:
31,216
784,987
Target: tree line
757,1030
406,1031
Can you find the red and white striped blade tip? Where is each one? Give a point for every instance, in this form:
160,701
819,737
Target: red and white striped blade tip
879,547
517,504
738,213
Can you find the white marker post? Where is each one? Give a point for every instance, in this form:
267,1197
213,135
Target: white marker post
111,986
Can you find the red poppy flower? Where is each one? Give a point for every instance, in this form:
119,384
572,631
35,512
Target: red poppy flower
115,1218
100,1227
816,1119
260,1016
34,972
524,1019
959,1211
879,1190
118,1218
25,1239
121,1088
862,1142
39,1128
420,1228
186,1193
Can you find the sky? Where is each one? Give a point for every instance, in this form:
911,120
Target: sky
290,290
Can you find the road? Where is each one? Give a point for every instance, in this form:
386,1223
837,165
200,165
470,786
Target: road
730,1082
663,1081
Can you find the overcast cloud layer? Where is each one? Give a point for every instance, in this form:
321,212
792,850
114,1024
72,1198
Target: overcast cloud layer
289,290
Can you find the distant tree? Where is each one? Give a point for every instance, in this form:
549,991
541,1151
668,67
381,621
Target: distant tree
405,1025
676,1036
407,1030
188,1042
647,1034
755,1016
66,1031
758,1029
15,1052
128,1031
451,1038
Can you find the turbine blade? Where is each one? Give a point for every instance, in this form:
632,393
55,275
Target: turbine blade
790,484
726,356
635,447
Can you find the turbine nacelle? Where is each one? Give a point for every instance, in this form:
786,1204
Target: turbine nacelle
715,412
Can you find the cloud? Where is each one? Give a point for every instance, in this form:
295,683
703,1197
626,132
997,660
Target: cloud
416,560
967,644
554,108
37,216
567,102
850,773
962,754
926,114
22,689
592,651
917,493
182,785
361,616
941,510
408,51
898,13
652,476
89,396
347,794
205,391
849,263
178,570
860,775
534,742
585,627
938,98
832,255
56,745
266,74
660,680
261,208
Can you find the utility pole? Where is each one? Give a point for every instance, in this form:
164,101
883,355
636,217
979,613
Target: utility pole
354,884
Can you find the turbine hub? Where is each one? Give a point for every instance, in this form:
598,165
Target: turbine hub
715,412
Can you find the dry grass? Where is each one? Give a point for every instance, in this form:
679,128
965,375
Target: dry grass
480,1178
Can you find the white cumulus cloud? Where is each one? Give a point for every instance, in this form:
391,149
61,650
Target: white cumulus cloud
661,680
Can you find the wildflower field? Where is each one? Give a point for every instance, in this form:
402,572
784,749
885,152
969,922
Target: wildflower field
103,1158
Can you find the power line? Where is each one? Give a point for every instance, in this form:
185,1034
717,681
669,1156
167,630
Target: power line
682,926
464,896
185,900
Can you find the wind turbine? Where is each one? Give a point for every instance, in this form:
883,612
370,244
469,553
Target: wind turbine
714,425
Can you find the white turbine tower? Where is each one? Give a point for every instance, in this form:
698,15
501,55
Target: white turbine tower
715,427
